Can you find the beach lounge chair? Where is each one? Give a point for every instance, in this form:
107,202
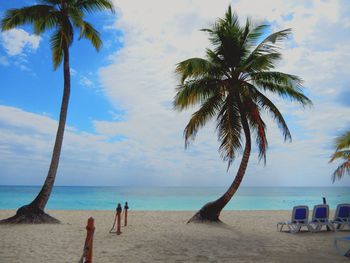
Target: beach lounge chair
320,216
300,215
341,216
346,252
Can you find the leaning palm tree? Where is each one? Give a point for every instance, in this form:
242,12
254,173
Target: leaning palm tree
63,17
342,152
232,84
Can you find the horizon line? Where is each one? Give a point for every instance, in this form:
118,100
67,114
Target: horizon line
175,186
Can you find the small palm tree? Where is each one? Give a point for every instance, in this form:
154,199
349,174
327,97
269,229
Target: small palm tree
231,85
342,152
63,17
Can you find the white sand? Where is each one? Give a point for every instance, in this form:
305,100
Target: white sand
247,236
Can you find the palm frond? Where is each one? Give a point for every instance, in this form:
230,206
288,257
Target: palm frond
257,124
341,171
67,30
246,39
229,130
51,2
222,27
270,45
25,15
255,34
262,62
90,33
47,22
285,85
193,68
57,44
268,105
208,109
95,5
227,36
343,141
345,154
195,92
278,77
271,42
76,16
342,152
220,66
230,47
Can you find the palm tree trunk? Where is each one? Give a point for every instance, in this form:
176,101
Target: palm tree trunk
41,200
34,212
211,211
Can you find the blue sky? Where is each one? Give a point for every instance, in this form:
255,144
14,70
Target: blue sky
38,79
121,129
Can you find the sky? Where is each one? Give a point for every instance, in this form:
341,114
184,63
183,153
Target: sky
121,127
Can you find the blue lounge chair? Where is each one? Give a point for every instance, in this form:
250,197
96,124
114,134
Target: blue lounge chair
320,216
345,253
342,216
300,218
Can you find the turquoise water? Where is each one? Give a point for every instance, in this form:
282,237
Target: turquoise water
173,198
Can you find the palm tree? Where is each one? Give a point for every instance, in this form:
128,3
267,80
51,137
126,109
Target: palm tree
342,152
231,85
63,17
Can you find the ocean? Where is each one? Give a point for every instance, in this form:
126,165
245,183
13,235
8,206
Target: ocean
173,198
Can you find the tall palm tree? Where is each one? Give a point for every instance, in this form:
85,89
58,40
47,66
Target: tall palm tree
63,17
342,152
232,84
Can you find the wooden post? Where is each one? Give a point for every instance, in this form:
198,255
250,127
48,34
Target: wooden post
325,202
89,240
119,211
126,207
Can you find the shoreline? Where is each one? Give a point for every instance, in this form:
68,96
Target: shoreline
155,210
174,198
164,236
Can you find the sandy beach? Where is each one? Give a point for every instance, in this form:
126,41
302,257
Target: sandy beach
246,236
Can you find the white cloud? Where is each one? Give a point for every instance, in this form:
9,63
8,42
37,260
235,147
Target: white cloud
26,141
116,116
73,72
86,82
15,41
